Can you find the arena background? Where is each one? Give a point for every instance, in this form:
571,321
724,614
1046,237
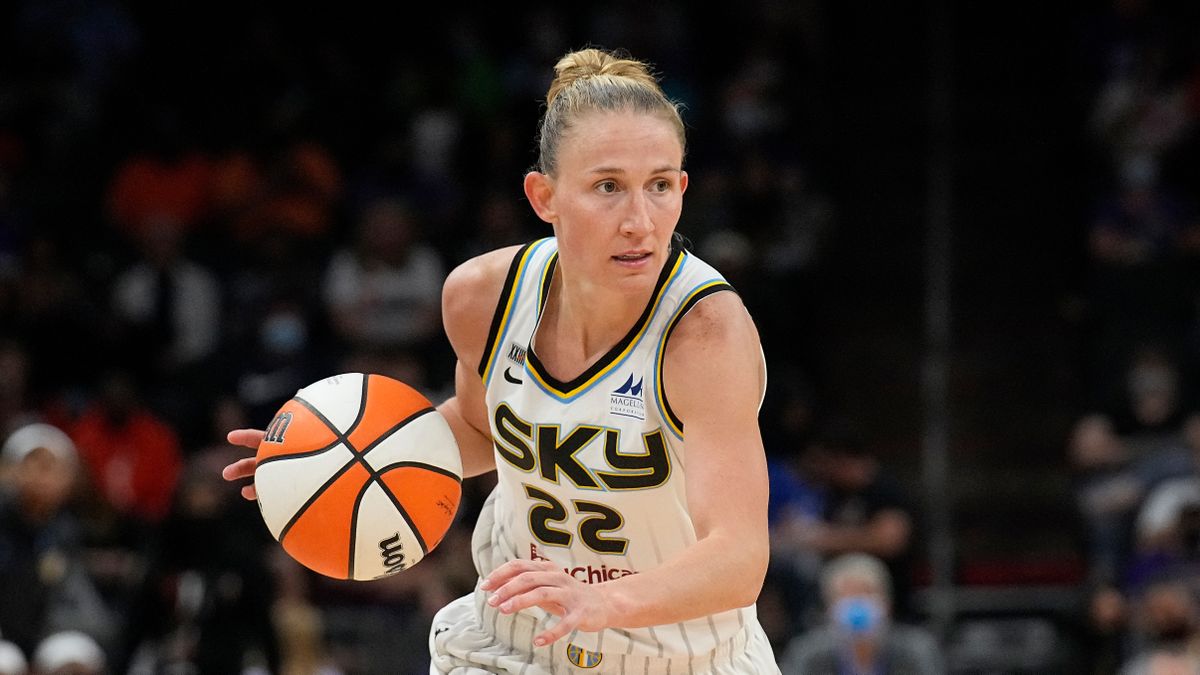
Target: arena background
961,232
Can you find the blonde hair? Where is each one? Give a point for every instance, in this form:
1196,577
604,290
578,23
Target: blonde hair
855,566
594,79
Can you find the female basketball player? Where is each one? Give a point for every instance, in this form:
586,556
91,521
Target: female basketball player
614,385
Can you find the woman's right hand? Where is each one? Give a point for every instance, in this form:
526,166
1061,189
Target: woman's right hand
244,468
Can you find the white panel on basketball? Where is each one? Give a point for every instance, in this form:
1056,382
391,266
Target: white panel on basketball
338,398
383,541
426,439
284,485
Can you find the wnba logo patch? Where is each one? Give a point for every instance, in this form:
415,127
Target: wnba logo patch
581,657
516,353
626,400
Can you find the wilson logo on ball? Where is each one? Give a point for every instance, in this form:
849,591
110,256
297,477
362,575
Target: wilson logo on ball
392,552
278,428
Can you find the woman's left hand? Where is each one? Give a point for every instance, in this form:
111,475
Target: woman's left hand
519,584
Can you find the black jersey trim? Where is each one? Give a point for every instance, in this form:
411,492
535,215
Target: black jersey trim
503,308
565,389
697,296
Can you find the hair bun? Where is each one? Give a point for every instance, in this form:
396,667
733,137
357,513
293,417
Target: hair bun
592,62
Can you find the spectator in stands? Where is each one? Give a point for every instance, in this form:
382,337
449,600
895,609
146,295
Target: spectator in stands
132,459
206,603
790,600
1144,109
383,293
1137,288
169,304
1154,603
12,659
277,337
166,181
1154,407
864,510
1107,493
1140,515
1165,521
1167,526
168,313
860,635
299,624
293,189
44,583
69,652
132,456
1133,475
1165,621
53,316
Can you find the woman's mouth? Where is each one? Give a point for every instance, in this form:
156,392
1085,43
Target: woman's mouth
632,257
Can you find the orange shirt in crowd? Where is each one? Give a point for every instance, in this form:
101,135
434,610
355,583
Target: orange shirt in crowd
134,465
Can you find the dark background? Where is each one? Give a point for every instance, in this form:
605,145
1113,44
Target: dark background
849,120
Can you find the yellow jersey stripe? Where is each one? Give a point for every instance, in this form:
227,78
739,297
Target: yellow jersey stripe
508,299
568,391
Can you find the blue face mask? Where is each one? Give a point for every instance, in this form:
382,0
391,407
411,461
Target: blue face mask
858,616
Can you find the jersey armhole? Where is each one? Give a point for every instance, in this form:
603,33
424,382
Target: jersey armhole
660,393
503,311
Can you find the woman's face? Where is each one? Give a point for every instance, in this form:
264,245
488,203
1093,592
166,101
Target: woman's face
616,198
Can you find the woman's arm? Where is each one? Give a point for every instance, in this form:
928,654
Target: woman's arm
713,376
469,298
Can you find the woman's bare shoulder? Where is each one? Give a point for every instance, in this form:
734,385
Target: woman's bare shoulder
469,297
716,341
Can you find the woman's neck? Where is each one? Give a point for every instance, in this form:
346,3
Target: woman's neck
582,321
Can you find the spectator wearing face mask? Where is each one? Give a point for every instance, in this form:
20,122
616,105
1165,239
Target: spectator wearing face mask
859,636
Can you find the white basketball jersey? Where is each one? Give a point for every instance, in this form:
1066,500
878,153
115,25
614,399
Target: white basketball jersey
591,471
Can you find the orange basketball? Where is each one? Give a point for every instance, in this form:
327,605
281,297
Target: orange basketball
358,476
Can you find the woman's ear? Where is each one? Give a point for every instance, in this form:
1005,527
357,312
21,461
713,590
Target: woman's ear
540,192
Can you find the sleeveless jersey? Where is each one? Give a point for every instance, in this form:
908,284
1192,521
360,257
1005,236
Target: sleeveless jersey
591,471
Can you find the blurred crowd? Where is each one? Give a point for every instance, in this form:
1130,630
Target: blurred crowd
200,214
1135,448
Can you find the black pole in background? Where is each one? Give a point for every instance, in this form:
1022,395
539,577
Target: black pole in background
935,463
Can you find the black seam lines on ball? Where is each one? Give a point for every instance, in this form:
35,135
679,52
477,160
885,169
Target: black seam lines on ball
359,457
